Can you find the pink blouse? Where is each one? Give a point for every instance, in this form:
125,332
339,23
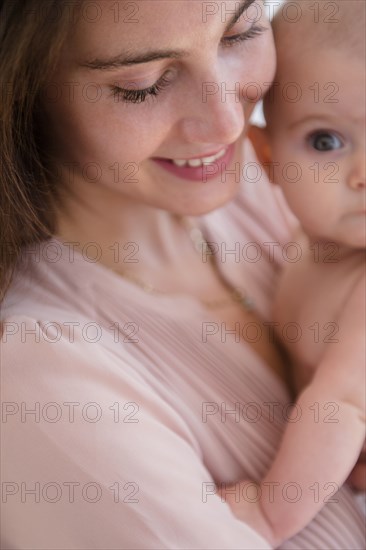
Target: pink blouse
121,410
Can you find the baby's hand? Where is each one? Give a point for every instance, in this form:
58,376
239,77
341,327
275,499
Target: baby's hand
357,479
242,499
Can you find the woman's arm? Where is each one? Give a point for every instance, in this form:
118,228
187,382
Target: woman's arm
357,479
119,469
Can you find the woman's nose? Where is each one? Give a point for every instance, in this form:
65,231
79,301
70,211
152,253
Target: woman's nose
216,114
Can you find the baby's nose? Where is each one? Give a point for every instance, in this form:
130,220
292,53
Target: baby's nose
357,177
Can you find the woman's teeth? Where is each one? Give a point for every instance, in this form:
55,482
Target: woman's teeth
195,163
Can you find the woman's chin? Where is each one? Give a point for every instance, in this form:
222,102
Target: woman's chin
204,203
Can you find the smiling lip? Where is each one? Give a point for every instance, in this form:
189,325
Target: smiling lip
201,156
201,173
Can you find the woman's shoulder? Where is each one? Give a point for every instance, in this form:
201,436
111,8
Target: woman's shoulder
41,364
34,348
44,369
28,342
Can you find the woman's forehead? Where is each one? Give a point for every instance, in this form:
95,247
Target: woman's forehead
107,27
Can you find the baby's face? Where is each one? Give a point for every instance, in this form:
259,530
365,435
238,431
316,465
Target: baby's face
316,125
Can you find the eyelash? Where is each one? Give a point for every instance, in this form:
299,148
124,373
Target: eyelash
254,31
139,96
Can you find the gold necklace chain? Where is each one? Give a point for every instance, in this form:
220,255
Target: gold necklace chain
202,247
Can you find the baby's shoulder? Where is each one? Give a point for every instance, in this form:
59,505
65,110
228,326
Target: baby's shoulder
321,267
315,287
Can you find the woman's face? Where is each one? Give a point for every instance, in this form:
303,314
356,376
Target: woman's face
205,81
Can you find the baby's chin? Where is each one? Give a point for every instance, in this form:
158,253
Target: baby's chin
340,244
356,240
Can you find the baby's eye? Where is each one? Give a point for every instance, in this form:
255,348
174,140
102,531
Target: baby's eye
325,141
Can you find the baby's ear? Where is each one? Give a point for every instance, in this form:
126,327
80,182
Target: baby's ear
260,140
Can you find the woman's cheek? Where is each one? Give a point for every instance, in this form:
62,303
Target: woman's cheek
258,77
118,133
264,63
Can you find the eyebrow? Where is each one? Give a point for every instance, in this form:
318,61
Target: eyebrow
326,121
128,59
312,118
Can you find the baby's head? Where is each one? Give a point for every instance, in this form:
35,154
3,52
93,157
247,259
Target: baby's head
315,114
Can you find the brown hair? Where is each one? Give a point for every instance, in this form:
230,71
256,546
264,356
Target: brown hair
32,33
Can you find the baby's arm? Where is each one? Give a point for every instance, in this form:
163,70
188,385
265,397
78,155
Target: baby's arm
319,450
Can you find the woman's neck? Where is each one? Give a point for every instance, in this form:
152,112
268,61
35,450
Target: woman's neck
127,234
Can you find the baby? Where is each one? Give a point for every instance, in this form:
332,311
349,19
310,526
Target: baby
314,147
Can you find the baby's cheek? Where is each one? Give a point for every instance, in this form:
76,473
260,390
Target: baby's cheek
286,166
289,176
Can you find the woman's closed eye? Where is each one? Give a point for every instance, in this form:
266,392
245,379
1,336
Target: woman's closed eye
255,30
139,96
